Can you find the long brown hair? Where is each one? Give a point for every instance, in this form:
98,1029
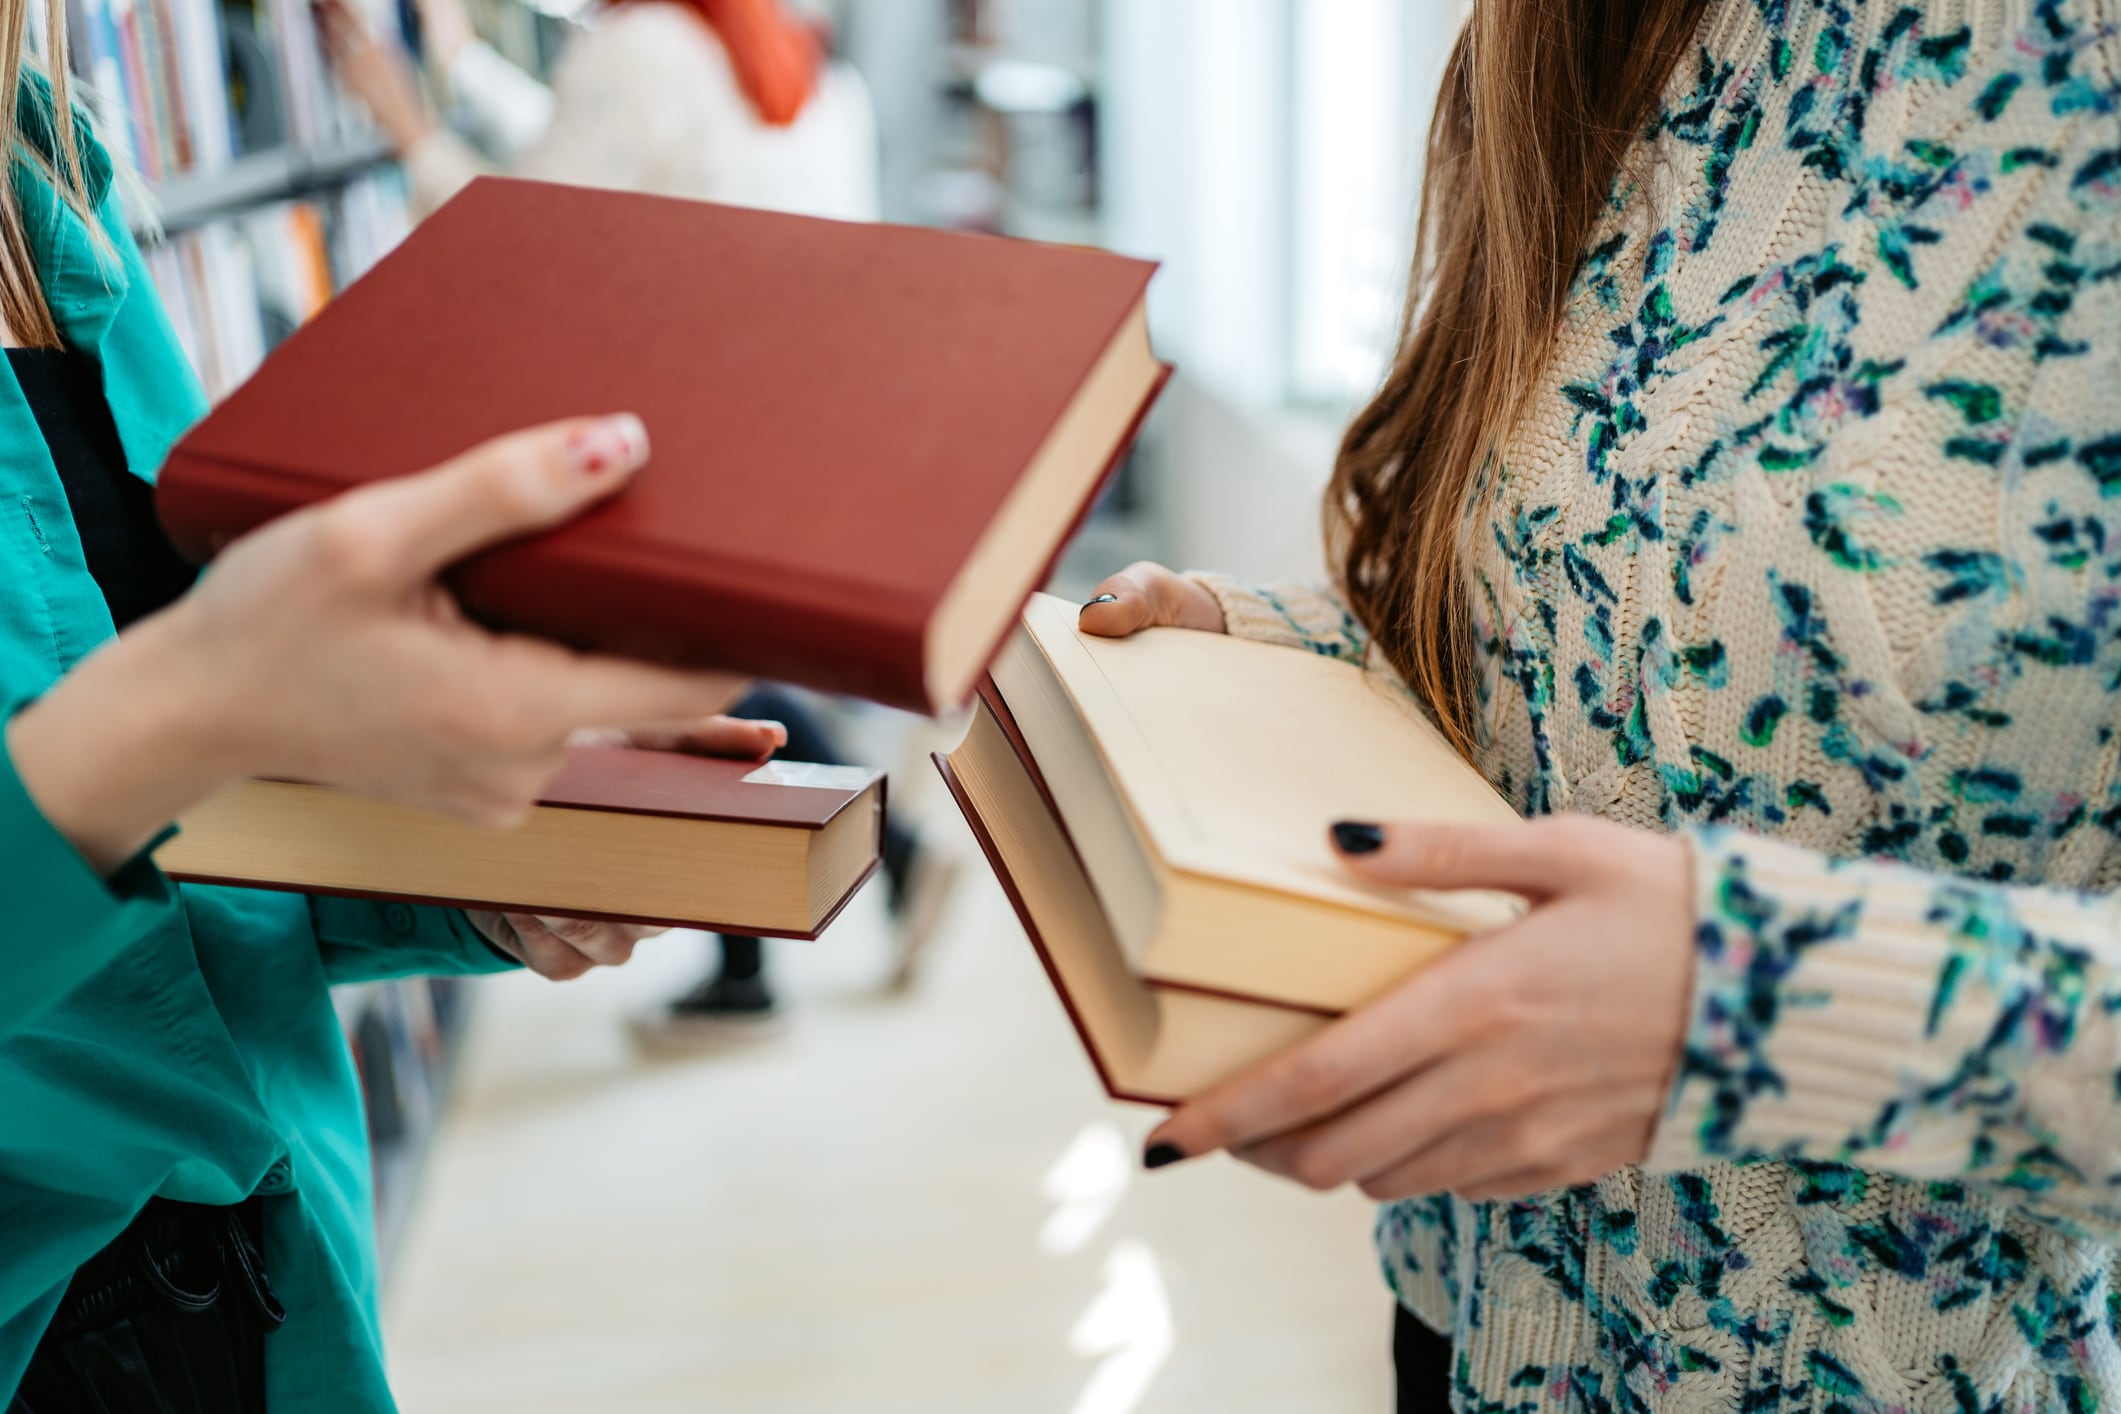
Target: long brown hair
1539,102
22,302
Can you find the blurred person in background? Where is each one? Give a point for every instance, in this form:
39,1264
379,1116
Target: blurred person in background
731,101
734,101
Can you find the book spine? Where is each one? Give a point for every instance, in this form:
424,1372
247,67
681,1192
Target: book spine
729,622
818,636
203,507
153,80
169,60
305,229
105,71
1002,875
133,68
197,26
813,635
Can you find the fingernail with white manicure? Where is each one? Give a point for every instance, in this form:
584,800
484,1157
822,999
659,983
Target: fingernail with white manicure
609,446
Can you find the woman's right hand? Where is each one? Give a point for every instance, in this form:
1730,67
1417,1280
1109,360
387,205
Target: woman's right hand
323,647
1146,595
377,72
445,33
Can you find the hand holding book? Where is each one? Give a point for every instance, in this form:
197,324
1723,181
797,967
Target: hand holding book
324,648
1532,1059
1147,595
1537,1055
377,71
562,949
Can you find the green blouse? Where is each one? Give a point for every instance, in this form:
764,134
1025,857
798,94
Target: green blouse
158,1039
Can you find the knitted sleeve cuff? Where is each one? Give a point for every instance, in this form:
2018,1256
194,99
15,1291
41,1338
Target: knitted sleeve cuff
1313,617
1416,1243
1898,1020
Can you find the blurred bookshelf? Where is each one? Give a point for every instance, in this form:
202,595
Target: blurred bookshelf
1019,154
269,190
193,199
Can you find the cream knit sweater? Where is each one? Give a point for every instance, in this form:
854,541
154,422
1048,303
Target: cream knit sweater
1812,552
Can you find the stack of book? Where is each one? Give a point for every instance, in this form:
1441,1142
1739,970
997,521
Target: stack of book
1157,809
870,444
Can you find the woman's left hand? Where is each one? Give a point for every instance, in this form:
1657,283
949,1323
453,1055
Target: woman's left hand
562,949
1536,1057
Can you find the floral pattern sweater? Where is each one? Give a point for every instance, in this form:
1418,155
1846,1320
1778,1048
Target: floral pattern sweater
1812,550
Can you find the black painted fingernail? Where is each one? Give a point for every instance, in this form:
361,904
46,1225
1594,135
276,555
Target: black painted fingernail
1162,1156
1102,599
1356,837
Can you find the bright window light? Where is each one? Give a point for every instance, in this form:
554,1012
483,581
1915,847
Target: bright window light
1129,1329
1354,193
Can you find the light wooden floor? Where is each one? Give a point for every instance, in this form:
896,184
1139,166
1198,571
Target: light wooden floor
916,1203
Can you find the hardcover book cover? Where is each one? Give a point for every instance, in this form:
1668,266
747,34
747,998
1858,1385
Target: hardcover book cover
869,442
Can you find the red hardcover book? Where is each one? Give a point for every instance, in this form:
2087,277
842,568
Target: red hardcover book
774,848
869,442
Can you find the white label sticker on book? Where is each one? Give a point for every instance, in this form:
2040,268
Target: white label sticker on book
806,773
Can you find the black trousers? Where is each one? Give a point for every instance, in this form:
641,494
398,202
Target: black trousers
1422,1360
170,1318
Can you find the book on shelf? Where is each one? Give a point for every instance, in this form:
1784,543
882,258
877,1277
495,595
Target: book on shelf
236,288
185,87
184,90
869,442
774,848
1157,809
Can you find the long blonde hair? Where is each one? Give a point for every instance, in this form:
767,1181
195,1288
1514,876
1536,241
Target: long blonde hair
22,303
1539,102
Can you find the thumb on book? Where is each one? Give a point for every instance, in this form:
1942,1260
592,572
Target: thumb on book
1149,595
511,486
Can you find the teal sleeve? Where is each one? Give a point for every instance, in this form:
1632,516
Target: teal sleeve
60,921
362,940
